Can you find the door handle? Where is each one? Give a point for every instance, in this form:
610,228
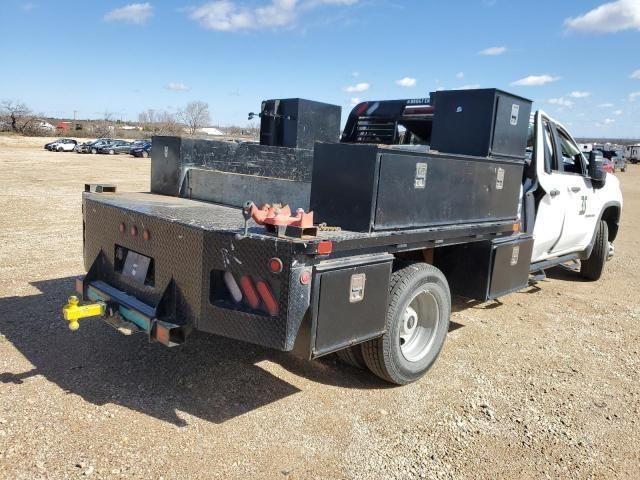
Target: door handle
554,193
575,189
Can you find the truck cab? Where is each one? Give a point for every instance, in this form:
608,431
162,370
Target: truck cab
560,193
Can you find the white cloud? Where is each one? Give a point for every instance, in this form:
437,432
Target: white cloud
406,82
136,13
228,16
608,18
635,75
534,80
608,121
618,112
358,88
493,51
633,96
460,75
355,101
579,94
28,6
177,87
606,105
472,86
562,102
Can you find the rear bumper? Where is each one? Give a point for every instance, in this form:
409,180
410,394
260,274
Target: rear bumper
129,315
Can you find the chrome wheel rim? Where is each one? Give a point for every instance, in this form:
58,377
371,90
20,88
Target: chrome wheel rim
418,326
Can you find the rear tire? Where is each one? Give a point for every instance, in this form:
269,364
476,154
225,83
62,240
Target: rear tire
352,356
417,325
111,152
145,154
592,267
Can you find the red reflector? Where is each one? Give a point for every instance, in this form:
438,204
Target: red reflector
360,109
249,291
146,234
267,297
162,334
134,231
122,227
305,277
325,248
275,265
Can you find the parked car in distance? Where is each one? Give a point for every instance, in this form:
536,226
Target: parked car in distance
48,146
116,147
93,147
142,150
64,145
619,163
80,146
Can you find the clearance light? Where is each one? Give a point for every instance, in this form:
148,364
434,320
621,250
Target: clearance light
133,231
146,235
325,248
249,291
122,227
275,265
305,277
233,287
267,297
515,227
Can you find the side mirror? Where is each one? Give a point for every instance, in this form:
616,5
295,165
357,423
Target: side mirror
597,174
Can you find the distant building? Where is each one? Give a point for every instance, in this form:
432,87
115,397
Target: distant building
46,126
210,131
129,127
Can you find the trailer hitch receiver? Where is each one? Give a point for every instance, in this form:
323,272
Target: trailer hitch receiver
73,311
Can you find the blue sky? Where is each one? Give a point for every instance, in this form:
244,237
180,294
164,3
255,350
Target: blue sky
577,59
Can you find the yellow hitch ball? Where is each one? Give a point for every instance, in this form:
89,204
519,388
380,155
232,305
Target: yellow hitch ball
73,326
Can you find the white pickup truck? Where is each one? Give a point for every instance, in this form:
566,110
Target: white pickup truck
576,208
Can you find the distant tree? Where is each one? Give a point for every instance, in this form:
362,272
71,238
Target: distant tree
18,116
195,116
159,122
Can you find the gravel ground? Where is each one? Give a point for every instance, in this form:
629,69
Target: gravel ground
544,384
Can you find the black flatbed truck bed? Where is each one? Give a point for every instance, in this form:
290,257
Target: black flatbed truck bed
165,265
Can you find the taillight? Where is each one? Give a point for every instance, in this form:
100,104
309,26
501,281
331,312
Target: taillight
249,291
275,265
267,297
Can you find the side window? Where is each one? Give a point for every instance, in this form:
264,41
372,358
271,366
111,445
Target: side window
572,159
550,162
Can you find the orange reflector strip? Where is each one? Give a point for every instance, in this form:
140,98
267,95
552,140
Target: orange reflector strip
515,227
325,248
267,297
249,291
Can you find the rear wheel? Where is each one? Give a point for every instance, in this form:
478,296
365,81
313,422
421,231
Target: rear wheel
111,152
417,325
145,154
352,356
592,267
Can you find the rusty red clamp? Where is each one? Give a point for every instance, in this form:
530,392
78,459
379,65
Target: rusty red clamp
276,215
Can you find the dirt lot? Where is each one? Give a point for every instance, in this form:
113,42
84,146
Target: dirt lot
544,385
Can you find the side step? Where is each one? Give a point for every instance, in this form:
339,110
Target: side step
552,262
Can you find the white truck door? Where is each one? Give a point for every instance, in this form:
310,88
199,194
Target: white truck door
579,222
550,213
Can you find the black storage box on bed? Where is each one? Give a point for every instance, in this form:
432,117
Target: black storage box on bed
365,188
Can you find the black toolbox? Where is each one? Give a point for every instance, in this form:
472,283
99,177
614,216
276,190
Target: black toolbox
365,188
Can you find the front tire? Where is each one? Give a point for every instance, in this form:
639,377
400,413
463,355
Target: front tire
94,151
145,154
111,152
417,325
592,267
